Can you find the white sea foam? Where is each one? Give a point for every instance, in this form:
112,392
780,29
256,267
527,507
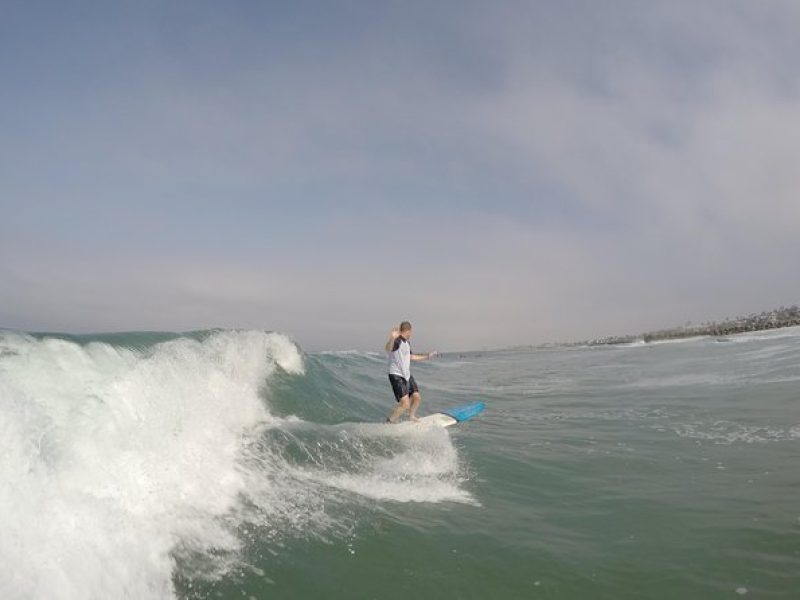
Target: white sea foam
112,457
728,432
634,344
425,469
356,353
679,380
686,340
117,462
765,335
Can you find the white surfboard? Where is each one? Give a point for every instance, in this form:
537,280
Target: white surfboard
452,416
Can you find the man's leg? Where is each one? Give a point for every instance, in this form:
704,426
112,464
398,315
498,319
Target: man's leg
415,400
402,406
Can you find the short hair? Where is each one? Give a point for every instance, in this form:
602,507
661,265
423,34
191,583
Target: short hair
405,326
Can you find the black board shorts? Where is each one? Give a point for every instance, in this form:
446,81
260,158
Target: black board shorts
401,387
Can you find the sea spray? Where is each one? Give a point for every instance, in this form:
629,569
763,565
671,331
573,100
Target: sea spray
127,466
114,456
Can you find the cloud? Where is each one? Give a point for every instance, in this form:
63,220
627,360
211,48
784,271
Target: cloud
526,173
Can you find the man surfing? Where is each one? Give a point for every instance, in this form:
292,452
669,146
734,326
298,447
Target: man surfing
404,387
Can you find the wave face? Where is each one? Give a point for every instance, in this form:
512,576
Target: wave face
134,461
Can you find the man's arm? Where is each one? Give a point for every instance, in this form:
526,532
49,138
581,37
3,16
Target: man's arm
393,334
427,356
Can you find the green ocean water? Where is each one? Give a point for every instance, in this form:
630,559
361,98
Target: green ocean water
232,465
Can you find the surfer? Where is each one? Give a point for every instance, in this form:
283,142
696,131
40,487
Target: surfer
404,387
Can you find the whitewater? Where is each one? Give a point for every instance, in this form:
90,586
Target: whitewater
124,460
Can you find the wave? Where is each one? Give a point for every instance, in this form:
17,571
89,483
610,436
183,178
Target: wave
127,460
765,335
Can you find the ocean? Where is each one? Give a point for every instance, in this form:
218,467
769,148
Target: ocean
233,465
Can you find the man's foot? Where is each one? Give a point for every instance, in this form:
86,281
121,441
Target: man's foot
413,418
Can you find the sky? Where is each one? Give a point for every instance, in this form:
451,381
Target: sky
499,173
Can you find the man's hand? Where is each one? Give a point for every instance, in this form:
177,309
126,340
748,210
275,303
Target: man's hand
393,335
427,356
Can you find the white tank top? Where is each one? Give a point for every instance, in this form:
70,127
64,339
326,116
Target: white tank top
400,358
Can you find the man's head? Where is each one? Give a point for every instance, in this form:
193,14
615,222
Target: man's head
405,329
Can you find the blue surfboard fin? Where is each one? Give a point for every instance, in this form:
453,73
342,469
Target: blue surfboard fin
462,413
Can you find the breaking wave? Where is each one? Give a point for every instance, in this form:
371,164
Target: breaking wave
128,461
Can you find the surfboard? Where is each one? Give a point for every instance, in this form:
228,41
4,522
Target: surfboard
449,417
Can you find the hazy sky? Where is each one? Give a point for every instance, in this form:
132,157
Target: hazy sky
499,173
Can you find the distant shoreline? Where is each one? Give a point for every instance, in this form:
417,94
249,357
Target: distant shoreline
773,319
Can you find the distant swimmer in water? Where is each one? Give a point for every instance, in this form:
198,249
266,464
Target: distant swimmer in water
404,387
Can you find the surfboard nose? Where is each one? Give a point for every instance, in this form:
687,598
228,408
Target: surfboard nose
462,413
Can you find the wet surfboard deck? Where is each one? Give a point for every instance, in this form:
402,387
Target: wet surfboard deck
452,416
